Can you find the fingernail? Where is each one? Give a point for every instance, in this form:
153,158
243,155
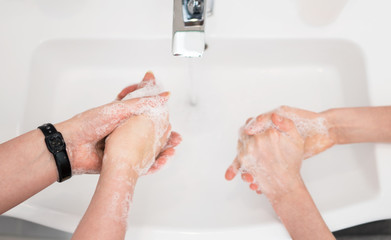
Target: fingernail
243,177
253,186
165,94
148,77
149,74
229,174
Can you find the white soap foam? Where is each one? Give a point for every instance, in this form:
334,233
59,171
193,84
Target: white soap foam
305,127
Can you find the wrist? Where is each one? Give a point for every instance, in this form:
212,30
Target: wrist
66,131
334,125
124,164
119,177
55,144
285,189
45,155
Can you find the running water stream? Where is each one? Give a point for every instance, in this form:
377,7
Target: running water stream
193,69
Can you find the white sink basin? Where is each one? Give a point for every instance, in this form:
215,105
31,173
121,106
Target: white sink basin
235,79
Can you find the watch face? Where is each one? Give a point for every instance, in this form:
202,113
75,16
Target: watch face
55,143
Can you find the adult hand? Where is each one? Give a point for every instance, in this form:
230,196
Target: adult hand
270,161
85,133
168,150
135,144
130,151
313,128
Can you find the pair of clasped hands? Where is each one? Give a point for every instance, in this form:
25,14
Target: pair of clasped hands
277,152
122,145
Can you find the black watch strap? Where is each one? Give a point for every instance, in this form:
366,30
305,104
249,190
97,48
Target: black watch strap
56,145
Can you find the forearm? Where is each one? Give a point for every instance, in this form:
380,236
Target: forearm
300,215
355,125
107,214
26,167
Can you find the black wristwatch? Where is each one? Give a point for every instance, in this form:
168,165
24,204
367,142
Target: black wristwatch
56,145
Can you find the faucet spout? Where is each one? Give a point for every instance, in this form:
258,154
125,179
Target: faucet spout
188,36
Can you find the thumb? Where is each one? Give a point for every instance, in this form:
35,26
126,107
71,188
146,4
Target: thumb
149,78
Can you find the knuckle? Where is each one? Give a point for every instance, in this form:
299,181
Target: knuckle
273,133
259,117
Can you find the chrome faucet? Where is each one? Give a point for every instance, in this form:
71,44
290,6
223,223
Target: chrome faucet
188,36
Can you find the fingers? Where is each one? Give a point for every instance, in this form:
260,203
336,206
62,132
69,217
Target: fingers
159,163
165,155
258,124
255,187
126,91
286,125
249,120
247,177
161,160
149,78
174,140
167,152
107,117
232,170
137,105
281,123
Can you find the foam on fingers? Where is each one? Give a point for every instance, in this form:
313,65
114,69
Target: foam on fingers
281,120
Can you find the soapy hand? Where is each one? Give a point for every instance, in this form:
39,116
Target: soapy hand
270,160
313,131
85,133
134,145
148,133
313,128
148,87
130,152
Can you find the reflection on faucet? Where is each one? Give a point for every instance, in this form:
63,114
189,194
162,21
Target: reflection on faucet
188,38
